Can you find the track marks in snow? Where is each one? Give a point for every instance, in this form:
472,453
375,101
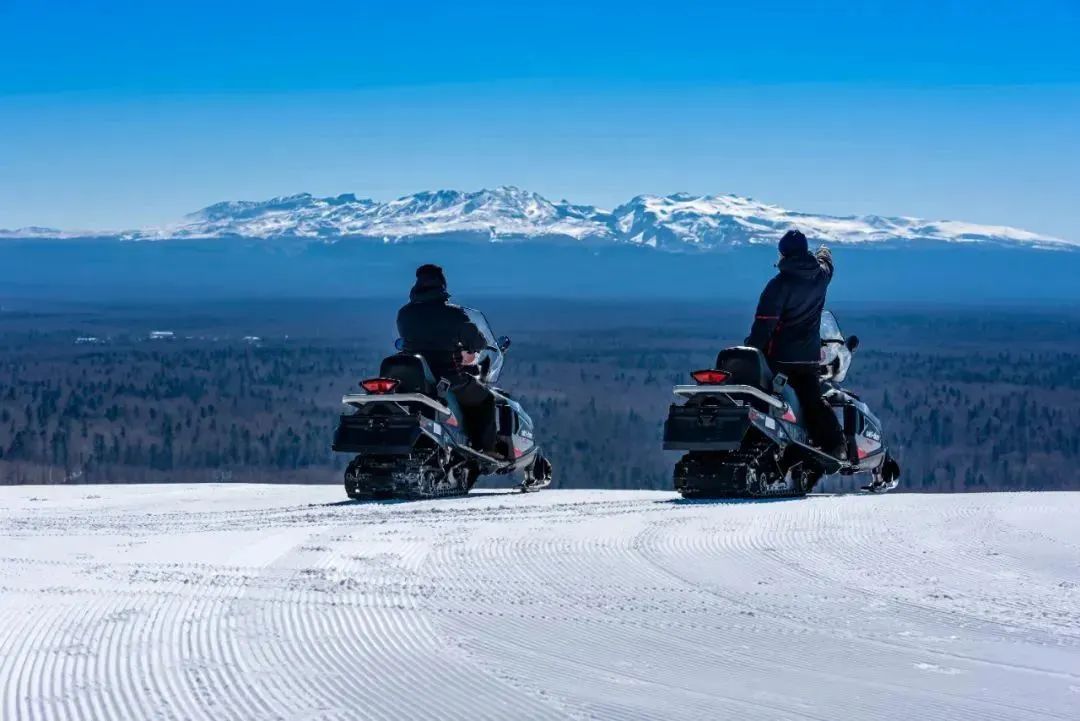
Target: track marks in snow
240,602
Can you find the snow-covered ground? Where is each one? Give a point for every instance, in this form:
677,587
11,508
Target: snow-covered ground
268,602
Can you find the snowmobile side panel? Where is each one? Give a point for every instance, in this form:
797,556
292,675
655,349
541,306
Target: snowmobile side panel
514,429
863,432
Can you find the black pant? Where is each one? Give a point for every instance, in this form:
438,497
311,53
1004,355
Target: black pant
478,406
821,423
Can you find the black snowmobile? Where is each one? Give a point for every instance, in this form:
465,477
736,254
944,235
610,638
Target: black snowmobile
407,431
742,428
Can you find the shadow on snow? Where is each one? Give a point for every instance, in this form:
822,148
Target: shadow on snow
397,501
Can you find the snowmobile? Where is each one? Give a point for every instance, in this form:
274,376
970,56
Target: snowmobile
743,431
406,431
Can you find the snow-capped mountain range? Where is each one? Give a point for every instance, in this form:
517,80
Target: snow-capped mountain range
679,222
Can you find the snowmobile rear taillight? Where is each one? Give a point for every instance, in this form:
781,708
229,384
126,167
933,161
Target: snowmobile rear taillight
379,386
710,377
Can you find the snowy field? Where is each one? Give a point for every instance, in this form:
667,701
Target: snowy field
283,602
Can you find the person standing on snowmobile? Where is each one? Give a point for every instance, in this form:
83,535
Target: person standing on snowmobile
441,332
787,329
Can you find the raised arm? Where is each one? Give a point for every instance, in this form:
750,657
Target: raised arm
824,259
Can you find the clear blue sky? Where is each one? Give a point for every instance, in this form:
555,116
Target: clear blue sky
121,114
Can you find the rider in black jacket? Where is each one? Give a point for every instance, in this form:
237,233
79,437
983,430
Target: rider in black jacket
787,329
448,340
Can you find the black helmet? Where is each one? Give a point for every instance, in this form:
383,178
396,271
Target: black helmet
429,276
793,243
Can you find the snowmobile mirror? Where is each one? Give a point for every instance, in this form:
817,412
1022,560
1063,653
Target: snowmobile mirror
400,344
852,343
504,343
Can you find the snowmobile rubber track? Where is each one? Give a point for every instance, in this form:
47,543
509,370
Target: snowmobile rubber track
375,478
738,474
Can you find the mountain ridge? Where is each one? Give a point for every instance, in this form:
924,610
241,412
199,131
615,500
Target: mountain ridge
679,222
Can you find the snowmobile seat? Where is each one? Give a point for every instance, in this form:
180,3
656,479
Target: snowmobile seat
747,366
412,372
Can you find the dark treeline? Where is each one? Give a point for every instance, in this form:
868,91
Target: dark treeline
972,399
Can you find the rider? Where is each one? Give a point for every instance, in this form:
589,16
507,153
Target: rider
787,329
448,340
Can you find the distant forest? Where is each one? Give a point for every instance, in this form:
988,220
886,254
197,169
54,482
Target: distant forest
973,399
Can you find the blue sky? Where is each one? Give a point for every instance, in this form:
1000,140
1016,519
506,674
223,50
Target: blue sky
120,114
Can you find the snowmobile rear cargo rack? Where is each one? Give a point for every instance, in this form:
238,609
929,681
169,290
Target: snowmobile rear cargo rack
358,399
734,389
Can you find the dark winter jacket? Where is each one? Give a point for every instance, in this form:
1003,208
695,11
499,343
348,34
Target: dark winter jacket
437,329
787,326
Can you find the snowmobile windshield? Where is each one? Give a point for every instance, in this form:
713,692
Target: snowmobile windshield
830,329
835,355
481,322
491,359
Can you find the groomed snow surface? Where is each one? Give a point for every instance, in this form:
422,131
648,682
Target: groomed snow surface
276,602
